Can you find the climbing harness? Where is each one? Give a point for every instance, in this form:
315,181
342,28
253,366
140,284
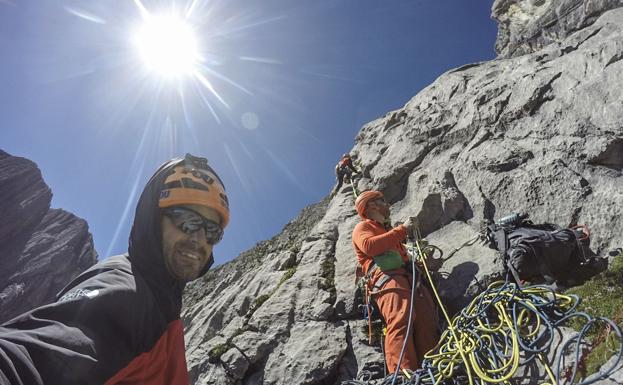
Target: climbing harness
365,283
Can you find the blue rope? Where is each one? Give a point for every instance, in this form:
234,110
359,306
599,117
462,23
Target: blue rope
551,310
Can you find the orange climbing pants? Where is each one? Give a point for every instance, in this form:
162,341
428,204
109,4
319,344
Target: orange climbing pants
393,303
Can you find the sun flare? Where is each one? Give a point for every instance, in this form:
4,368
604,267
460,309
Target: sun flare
167,46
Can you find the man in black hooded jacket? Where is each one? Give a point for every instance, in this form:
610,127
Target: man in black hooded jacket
119,322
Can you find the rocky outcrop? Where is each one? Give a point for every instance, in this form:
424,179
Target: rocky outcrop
540,133
526,26
25,200
41,249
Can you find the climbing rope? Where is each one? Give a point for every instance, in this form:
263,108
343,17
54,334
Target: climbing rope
352,186
503,329
469,242
409,322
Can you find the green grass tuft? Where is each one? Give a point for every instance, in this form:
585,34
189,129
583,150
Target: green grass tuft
328,273
259,301
377,331
296,248
214,355
602,296
237,332
601,354
287,275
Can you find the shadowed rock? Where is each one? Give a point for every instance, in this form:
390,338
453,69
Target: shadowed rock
41,249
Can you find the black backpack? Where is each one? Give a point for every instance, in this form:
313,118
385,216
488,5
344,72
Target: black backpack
537,252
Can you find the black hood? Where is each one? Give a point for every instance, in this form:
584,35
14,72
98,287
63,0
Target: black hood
145,245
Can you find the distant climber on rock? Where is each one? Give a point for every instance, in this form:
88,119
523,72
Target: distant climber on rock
344,169
119,322
385,263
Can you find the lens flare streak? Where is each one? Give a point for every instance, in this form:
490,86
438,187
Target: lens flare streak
207,103
126,211
329,76
84,15
282,166
138,164
142,9
191,8
246,150
260,60
253,25
228,80
236,168
202,79
187,117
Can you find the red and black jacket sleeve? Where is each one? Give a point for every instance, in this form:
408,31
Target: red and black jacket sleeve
106,329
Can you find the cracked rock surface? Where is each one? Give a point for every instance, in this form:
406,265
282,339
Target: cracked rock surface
540,133
526,26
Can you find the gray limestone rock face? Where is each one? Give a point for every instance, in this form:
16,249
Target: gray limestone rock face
539,133
347,296
252,303
526,26
41,249
235,363
254,345
469,266
362,359
310,355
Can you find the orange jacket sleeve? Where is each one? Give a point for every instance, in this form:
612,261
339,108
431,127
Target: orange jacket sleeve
371,243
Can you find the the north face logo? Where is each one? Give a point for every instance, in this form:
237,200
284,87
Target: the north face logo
79,293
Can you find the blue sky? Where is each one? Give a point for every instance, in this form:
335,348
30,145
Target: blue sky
292,84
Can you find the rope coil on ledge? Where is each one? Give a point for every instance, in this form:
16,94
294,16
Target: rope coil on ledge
503,329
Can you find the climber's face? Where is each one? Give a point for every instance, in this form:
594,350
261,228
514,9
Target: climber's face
379,206
186,253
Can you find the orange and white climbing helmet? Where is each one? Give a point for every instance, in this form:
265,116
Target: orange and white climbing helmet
193,181
362,201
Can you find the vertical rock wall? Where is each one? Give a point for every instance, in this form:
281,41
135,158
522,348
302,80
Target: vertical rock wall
526,26
41,249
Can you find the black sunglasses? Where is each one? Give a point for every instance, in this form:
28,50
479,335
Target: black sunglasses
190,221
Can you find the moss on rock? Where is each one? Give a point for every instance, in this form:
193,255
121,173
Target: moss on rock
602,296
214,355
287,275
328,274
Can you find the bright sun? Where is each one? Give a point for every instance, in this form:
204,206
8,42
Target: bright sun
168,46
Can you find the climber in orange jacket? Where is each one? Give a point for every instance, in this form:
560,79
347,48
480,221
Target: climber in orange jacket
343,168
385,261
